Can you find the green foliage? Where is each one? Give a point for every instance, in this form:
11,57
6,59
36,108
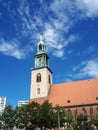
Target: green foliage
21,116
83,123
8,118
60,116
69,121
43,116
33,114
95,120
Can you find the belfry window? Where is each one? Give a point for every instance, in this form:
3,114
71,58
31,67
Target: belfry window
38,90
38,78
40,47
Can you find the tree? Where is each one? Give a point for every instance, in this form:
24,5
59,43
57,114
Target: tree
1,123
69,121
45,115
95,120
21,116
33,114
7,118
83,123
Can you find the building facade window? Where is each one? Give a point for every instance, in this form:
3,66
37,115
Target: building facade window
91,112
97,109
49,79
38,90
69,111
84,111
38,78
76,113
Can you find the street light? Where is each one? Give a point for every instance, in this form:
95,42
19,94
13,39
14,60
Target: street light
58,113
58,119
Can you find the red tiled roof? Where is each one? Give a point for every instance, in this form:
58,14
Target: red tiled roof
72,93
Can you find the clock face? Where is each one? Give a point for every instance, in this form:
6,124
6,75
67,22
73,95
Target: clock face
40,61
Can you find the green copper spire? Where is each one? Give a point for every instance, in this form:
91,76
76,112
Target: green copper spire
41,37
41,45
41,58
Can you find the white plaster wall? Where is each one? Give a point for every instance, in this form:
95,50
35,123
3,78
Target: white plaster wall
43,85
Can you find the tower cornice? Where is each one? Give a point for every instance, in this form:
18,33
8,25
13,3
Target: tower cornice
32,69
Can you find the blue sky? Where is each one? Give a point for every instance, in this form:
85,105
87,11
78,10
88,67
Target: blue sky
70,30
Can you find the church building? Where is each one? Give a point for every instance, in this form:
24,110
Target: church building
77,97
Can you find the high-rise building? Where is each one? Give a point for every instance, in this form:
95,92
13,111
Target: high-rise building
2,103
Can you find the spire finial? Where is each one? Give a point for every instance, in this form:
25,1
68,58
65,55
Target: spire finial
41,37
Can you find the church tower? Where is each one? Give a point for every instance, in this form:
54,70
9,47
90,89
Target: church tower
41,75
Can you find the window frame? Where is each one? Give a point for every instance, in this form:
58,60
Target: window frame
38,91
38,77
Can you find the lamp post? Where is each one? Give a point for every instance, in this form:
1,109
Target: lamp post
58,119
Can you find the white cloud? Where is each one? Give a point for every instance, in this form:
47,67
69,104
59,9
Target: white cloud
65,13
88,7
51,36
91,68
12,49
59,53
55,43
53,28
86,68
74,10
61,8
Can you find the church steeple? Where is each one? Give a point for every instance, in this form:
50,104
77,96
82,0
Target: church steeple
41,75
41,58
41,45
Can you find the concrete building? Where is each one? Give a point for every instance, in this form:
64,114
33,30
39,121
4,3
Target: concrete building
79,97
2,103
22,102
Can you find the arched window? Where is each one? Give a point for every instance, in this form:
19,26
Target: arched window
69,111
97,109
84,111
75,113
38,90
91,112
38,78
40,47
